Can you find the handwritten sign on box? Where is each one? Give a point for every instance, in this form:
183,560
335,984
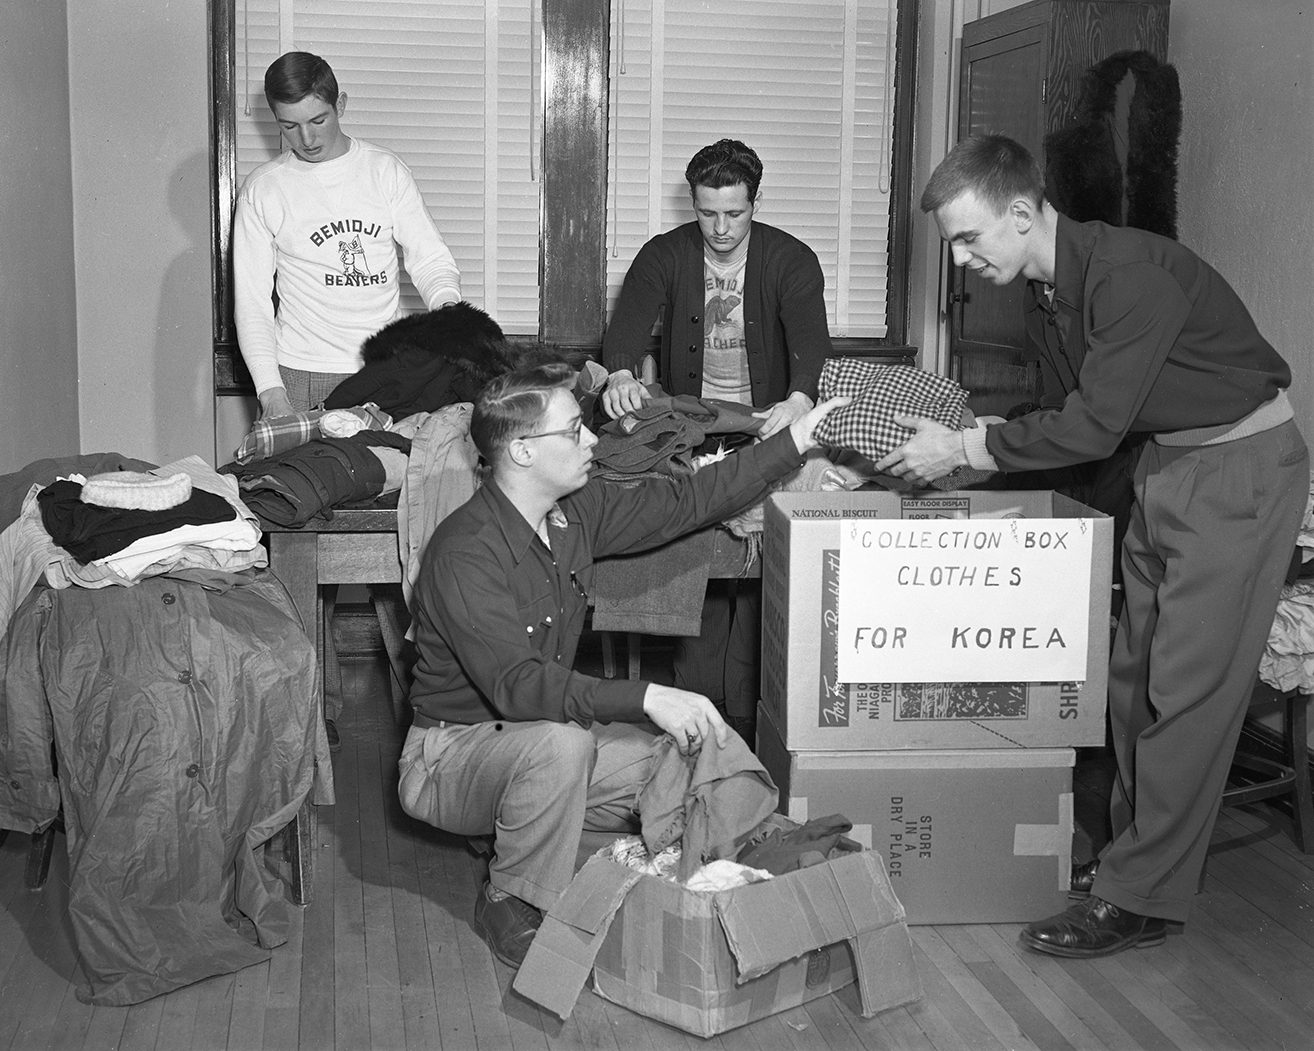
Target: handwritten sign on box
975,600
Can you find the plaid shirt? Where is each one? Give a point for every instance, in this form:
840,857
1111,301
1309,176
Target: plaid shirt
881,392
280,433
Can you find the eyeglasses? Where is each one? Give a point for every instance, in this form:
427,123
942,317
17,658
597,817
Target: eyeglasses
574,431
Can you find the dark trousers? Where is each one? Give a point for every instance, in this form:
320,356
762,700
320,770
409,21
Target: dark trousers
1204,559
723,663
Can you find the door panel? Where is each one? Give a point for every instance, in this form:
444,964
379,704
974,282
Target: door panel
1002,93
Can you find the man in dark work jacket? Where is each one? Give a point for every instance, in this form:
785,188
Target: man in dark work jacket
1151,340
508,739
744,320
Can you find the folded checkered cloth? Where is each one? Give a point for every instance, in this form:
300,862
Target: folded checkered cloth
881,392
280,433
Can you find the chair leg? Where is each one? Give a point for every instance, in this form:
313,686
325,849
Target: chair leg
1302,807
608,655
38,858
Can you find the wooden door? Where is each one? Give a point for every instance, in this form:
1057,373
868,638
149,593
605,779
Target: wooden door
1002,93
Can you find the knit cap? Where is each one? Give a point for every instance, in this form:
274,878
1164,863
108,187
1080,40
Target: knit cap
137,491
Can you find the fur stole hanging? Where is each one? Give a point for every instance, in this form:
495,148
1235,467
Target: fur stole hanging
1087,180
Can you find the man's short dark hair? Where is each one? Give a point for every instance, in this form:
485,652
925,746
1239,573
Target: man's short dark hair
998,169
298,75
725,163
514,404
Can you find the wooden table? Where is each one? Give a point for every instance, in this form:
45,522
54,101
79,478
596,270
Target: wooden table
356,546
359,546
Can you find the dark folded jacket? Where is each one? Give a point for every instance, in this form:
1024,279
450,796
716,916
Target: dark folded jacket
292,487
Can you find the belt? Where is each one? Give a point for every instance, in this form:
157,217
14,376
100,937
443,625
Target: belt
1273,413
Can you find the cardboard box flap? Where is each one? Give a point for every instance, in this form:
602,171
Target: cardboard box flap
562,953
809,908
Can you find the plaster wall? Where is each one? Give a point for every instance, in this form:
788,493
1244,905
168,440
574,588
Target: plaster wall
1246,163
141,223
38,321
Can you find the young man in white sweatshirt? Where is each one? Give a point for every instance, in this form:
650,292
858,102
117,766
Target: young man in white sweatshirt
315,238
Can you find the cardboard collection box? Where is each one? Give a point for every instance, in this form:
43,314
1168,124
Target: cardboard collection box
707,962
802,577
968,836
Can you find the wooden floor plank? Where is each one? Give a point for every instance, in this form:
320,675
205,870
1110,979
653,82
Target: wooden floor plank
1142,1033
214,1013
246,1021
1105,1029
478,967
351,1017
836,1029
1172,1031
938,1029
387,1025
419,1004
178,1019
943,949
938,989
141,1026
1241,1000
1213,1021
1240,976
1255,947
70,1025
452,999
44,965
315,1009
281,1017
1013,964
105,1029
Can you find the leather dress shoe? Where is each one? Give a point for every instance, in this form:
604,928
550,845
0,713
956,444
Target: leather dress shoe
1083,878
1094,927
508,925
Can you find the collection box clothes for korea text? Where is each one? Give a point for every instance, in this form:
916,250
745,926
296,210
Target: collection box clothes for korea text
964,620
968,836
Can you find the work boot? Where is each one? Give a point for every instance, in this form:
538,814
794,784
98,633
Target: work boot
506,923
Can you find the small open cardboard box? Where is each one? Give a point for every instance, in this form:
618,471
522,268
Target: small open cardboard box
708,962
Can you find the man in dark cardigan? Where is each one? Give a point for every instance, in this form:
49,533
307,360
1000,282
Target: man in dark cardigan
1147,338
743,320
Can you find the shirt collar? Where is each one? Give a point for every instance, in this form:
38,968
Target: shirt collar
1067,271
517,533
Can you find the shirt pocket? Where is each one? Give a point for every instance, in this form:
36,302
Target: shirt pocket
538,616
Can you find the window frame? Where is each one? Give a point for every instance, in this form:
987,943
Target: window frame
573,279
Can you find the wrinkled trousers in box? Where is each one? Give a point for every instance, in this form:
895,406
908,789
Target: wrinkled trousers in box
1204,559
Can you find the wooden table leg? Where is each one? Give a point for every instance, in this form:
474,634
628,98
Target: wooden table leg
38,858
294,557
301,853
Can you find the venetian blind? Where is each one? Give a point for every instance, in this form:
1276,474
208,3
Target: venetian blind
454,89
808,84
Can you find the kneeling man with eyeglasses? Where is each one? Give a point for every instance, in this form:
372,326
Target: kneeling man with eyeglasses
508,740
